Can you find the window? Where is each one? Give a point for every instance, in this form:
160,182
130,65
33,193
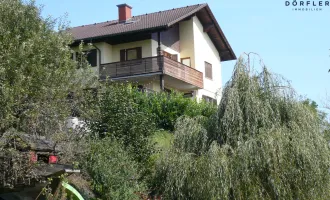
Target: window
185,61
188,95
208,70
131,54
209,99
91,57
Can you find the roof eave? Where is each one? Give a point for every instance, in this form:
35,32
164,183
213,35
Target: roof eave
187,15
228,49
223,37
159,28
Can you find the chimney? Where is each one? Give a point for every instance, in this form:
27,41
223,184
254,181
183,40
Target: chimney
124,12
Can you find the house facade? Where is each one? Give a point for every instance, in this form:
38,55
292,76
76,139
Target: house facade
180,49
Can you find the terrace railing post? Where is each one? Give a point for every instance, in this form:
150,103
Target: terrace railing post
116,70
161,77
160,62
130,69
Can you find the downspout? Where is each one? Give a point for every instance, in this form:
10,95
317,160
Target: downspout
161,64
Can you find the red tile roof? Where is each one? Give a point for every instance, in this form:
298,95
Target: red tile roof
136,23
156,21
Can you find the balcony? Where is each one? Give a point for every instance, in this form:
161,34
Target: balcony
174,72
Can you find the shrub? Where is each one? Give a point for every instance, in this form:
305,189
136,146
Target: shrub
114,173
132,116
167,108
119,116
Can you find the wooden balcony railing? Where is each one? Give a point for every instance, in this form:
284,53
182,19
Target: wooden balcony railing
131,67
183,72
158,64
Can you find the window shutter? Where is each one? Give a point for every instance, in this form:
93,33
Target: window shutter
208,70
139,52
122,55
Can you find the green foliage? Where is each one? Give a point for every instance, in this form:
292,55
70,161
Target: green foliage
282,164
190,135
253,103
312,104
263,143
114,173
36,76
162,139
183,175
119,116
133,116
167,108
36,70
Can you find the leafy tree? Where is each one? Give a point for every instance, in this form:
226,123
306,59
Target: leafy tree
263,143
312,104
36,74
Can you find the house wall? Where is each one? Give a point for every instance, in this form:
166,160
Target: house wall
171,38
163,47
186,31
106,52
204,50
145,44
170,41
187,39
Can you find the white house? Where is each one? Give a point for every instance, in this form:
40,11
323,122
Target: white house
179,49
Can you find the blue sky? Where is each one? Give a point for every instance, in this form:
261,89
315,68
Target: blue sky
294,44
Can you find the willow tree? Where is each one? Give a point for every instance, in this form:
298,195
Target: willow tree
263,143
36,75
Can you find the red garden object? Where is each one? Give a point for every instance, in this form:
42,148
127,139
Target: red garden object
33,157
52,159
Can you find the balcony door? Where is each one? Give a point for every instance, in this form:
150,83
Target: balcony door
131,62
130,54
